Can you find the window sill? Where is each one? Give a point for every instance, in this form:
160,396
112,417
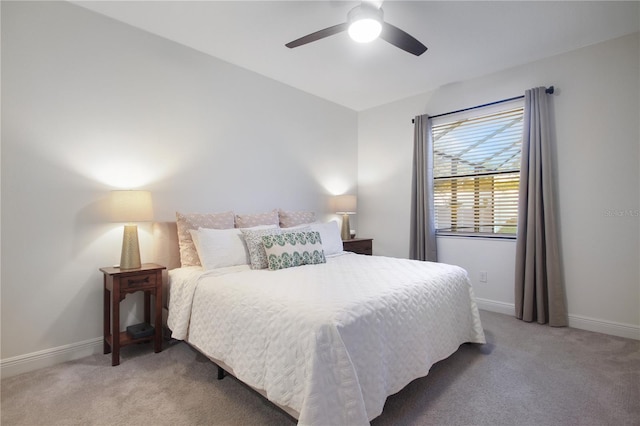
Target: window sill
505,237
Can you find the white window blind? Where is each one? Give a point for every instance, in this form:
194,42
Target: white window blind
477,172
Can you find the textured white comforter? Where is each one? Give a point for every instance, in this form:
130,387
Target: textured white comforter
330,341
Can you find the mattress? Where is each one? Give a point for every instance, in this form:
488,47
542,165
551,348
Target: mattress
329,342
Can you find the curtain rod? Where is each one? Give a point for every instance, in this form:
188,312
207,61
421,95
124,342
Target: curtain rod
549,90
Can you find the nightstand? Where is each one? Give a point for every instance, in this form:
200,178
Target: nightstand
359,245
117,284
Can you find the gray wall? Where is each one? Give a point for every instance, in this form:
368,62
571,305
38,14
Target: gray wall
90,105
596,108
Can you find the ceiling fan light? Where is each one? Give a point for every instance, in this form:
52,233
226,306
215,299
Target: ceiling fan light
365,30
365,23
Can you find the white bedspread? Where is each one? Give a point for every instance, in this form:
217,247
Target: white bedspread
330,341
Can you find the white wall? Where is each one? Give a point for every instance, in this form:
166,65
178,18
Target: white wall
90,104
596,108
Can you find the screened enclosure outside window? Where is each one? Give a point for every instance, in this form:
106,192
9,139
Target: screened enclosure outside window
476,173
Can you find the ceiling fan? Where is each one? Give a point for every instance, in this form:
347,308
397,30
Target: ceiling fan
365,23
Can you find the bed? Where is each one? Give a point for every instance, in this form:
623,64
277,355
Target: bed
326,342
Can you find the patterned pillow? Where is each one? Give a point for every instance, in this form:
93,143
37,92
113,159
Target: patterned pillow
186,222
257,219
290,249
253,239
289,219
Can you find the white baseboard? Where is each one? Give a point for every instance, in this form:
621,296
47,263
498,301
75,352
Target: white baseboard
493,306
49,357
607,327
628,331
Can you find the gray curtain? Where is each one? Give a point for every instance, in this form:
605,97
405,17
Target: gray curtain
423,234
539,288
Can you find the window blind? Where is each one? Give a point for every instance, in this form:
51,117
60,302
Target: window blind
477,173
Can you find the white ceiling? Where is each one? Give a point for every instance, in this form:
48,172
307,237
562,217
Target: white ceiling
465,39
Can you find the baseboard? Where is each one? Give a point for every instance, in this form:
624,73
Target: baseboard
494,306
575,321
49,357
607,327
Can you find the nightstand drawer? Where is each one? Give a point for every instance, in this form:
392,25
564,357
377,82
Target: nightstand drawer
138,281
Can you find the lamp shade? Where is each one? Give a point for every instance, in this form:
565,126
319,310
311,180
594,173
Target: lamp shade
131,206
345,204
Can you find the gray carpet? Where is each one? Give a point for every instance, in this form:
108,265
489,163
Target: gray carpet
526,374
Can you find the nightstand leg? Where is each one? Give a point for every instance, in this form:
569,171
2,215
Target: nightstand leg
115,332
147,307
158,318
106,319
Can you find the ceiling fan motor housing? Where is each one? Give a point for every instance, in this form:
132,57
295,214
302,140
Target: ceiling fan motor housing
365,11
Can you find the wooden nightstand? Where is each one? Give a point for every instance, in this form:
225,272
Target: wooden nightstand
359,245
117,284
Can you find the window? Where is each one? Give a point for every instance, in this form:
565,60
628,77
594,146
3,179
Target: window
476,169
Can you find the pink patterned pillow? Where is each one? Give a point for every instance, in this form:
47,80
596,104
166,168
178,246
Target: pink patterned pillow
295,218
187,222
257,219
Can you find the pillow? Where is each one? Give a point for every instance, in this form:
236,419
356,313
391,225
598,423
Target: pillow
290,249
218,248
187,222
294,218
330,235
256,219
253,240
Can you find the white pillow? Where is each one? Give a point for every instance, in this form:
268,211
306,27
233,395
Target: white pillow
187,222
330,236
218,248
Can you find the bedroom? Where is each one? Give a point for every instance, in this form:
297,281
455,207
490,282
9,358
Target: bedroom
87,100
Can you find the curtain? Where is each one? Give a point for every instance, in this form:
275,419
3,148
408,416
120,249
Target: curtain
423,233
539,287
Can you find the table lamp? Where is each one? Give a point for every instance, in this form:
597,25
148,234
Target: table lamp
345,205
131,206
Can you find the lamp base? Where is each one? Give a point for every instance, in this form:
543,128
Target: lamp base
345,232
130,257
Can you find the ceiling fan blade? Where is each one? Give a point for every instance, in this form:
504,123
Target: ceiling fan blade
318,35
399,38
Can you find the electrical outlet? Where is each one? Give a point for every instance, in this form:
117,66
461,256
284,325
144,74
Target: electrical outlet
483,276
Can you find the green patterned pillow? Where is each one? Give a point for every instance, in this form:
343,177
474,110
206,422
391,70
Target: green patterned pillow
291,249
